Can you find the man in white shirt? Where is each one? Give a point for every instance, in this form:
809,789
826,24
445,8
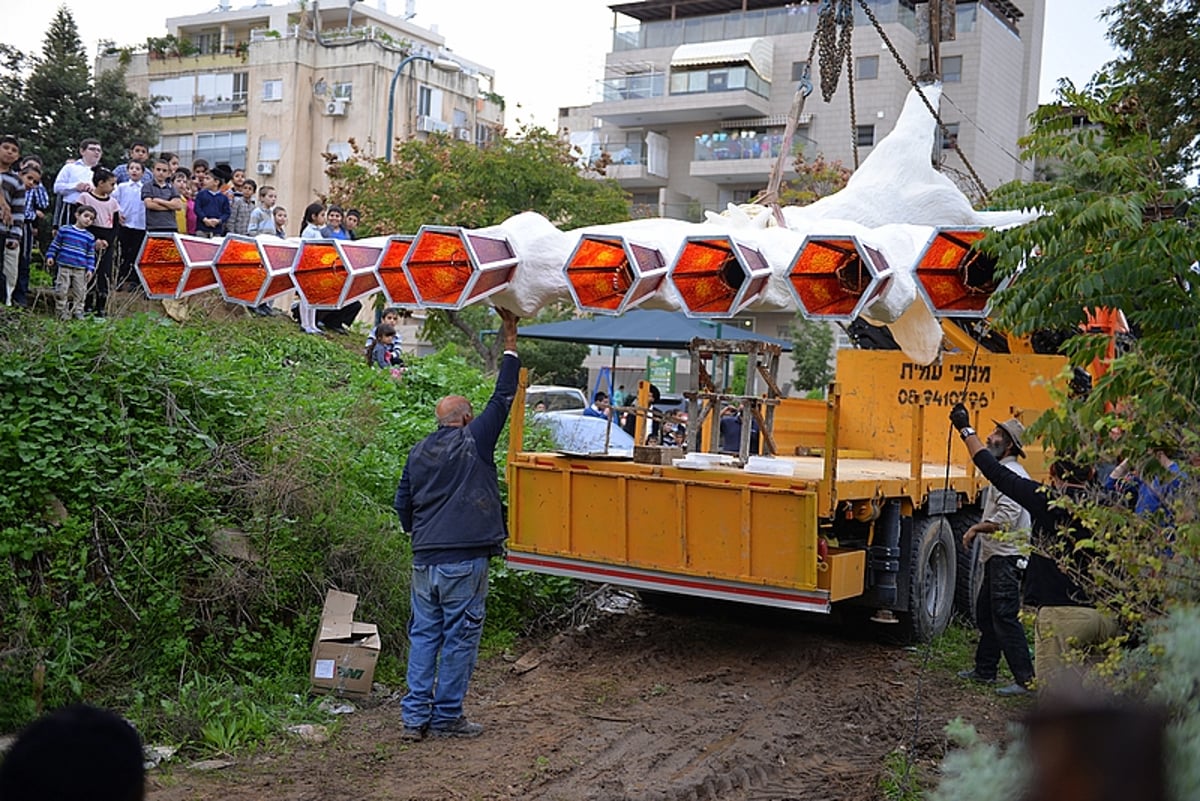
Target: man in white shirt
73,180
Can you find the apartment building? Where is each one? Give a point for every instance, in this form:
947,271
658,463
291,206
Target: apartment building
695,96
274,87
696,93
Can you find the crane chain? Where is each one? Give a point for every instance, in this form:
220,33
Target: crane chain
912,79
835,27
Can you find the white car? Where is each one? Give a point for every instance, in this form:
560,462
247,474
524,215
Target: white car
555,399
579,434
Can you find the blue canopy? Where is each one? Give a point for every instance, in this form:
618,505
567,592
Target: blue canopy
645,328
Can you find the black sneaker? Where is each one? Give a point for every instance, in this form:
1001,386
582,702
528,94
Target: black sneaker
458,728
1014,690
972,675
414,733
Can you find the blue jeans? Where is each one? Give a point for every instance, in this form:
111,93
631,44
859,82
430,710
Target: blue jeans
448,604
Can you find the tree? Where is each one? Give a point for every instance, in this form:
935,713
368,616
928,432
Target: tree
60,104
1116,234
443,182
60,93
15,111
1160,70
811,350
814,180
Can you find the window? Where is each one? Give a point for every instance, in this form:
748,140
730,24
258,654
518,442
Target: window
207,43
798,68
241,86
341,150
344,90
865,135
866,68
424,101
222,146
952,69
269,149
947,140
272,90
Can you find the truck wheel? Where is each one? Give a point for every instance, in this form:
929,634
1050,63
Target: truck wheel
931,583
968,564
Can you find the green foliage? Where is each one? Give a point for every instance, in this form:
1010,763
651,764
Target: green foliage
814,180
520,602
1162,671
207,716
129,448
1114,236
1157,65
440,181
898,780
979,771
812,349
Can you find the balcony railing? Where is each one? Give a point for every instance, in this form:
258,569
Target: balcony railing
721,146
203,108
790,19
634,87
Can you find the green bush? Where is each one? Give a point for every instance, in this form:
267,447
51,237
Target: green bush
130,451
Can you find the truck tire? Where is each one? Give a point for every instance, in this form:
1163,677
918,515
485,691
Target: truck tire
933,568
968,564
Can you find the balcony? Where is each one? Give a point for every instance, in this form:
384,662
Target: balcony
721,93
635,165
204,108
731,157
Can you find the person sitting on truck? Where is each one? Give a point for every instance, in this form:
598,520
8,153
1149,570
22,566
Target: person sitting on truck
449,501
1065,614
1003,532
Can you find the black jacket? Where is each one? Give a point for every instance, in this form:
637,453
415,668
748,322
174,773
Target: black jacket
449,496
1045,583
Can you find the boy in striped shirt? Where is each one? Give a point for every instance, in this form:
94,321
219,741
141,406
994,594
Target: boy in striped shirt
74,251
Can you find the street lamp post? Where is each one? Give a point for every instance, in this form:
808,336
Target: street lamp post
444,64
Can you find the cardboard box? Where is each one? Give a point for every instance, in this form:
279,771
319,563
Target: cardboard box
345,651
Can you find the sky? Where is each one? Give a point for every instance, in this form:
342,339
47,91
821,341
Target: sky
555,69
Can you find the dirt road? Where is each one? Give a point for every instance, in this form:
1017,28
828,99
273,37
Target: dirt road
642,706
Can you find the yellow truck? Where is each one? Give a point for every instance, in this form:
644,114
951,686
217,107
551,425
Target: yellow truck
863,502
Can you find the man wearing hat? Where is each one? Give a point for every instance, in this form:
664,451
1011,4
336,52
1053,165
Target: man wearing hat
1003,532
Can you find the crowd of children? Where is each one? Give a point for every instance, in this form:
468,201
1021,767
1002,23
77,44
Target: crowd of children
95,253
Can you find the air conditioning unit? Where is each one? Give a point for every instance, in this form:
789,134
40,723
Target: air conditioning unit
335,108
462,134
264,168
426,124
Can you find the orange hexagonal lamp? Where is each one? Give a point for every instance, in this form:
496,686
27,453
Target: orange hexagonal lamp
608,274
450,267
717,276
835,277
254,271
389,272
320,275
360,258
175,265
956,277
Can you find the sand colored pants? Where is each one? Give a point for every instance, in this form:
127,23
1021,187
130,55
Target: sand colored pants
70,290
1059,629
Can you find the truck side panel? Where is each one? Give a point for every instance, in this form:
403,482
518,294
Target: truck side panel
731,529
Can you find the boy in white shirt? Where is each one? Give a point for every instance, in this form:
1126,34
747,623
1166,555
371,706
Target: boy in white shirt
133,224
